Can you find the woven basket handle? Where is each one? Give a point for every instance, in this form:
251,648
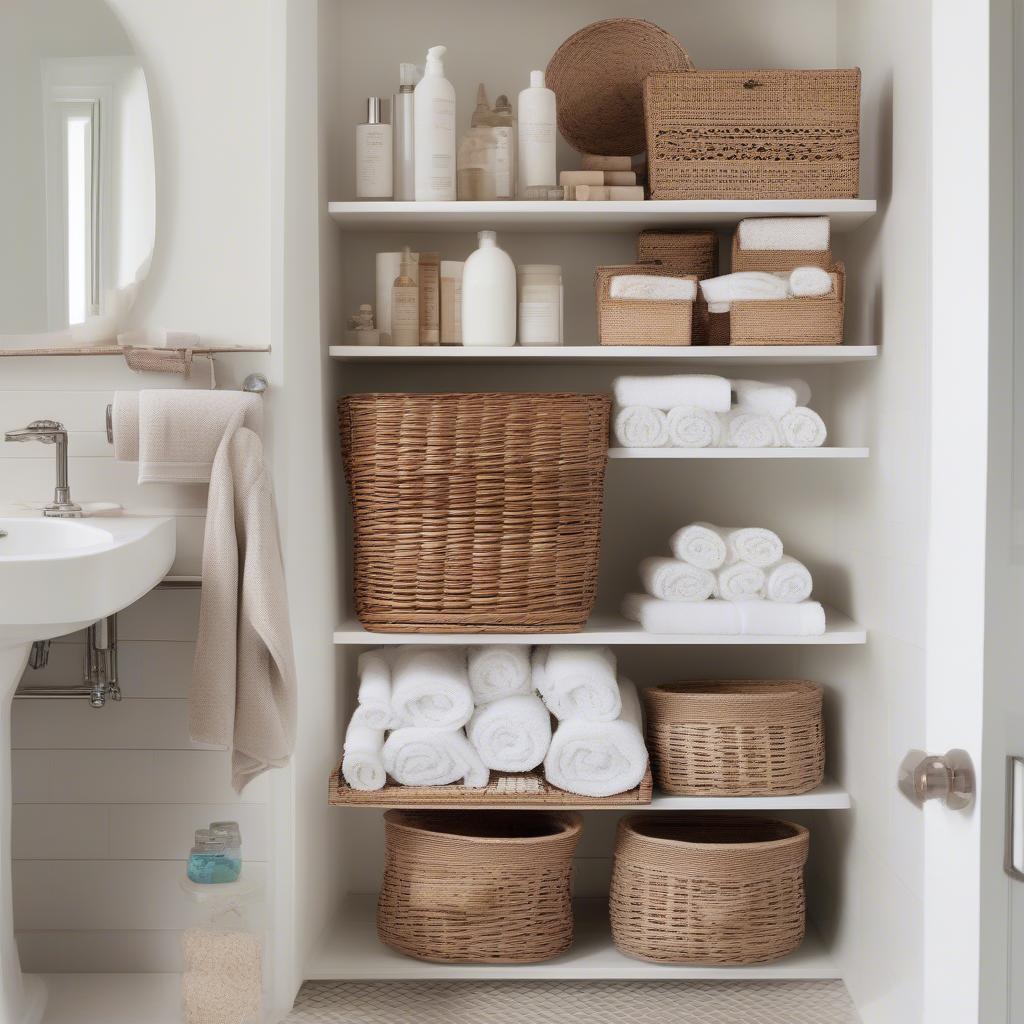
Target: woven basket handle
752,83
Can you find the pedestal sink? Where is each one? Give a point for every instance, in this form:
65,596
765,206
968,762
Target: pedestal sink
57,576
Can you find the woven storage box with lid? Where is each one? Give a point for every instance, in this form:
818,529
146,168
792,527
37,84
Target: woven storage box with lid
685,252
799,321
641,321
475,512
777,259
736,738
766,134
704,889
478,887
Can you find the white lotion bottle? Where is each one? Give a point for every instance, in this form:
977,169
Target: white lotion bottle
536,137
373,154
405,133
434,113
489,296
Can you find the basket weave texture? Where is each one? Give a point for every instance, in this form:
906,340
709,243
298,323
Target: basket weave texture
736,738
640,321
803,321
478,887
753,134
777,259
708,889
475,512
685,252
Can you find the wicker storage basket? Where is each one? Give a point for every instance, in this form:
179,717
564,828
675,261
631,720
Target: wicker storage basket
804,321
685,252
640,322
477,887
736,738
777,259
708,889
475,512
753,134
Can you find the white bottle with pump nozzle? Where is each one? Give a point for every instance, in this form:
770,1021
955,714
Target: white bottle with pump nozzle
537,132
405,133
434,113
489,295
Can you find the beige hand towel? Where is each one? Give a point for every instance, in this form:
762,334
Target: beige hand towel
243,679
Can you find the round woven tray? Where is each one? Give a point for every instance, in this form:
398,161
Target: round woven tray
598,75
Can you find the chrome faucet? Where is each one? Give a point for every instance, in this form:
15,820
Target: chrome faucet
52,432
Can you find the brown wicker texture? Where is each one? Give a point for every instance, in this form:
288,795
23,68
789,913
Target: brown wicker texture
639,321
686,252
475,512
754,134
777,259
597,74
736,738
478,887
804,321
696,889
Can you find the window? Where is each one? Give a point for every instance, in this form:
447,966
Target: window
80,163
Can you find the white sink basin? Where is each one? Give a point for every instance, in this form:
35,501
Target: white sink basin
56,576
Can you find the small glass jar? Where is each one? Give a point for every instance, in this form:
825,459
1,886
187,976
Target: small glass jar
540,304
208,861
230,835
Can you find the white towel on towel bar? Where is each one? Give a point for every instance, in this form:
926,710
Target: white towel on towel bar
373,710
415,756
362,764
511,734
652,288
788,581
691,427
577,682
705,390
807,234
499,670
771,398
639,426
700,544
740,581
710,618
430,687
802,428
672,579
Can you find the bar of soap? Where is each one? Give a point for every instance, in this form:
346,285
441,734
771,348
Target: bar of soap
592,162
592,192
572,178
619,178
621,192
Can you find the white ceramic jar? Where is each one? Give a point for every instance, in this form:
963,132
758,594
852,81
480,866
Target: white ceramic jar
540,304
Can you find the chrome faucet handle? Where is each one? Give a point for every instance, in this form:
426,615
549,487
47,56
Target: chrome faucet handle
52,432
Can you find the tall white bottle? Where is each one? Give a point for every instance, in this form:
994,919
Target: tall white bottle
537,133
489,295
434,112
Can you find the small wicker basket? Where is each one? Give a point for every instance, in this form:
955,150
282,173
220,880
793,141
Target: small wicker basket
693,889
638,321
478,887
736,738
802,321
777,259
685,252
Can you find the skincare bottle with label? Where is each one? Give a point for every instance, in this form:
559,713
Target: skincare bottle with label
434,112
537,120
373,154
405,305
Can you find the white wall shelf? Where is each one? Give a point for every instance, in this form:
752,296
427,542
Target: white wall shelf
350,950
846,214
738,453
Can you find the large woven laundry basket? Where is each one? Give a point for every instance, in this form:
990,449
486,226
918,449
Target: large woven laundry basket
475,512
478,887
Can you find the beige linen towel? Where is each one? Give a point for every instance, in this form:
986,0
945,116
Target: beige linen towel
243,679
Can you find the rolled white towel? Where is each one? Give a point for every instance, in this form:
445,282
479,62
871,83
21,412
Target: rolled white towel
578,682
672,579
802,428
362,764
704,390
700,544
769,618
639,426
652,288
740,581
414,756
511,734
808,234
499,670
711,618
743,286
753,544
809,282
788,581
600,758
374,708
752,430
430,687
771,399
692,427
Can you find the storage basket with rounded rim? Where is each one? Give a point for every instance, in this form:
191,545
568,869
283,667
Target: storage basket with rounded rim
478,887
705,889
736,738
475,512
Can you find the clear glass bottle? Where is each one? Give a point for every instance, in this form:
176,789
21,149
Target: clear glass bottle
504,122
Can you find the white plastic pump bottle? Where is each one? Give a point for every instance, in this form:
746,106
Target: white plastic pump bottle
489,295
434,147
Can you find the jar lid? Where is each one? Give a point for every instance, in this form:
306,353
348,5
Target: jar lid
541,268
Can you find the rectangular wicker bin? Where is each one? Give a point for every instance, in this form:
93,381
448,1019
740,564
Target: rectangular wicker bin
803,321
753,134
685,252
777,259
640,321
475,512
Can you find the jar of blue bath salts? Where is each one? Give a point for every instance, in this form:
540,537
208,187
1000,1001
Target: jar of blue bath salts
208,861
230,835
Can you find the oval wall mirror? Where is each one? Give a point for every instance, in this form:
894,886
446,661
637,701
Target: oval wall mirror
77,178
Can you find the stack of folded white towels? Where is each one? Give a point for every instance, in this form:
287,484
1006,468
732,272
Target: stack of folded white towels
430,716
705,411
726,581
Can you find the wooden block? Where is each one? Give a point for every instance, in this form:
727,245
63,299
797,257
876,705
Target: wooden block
591,162
620,192
619,178
572,178
591,192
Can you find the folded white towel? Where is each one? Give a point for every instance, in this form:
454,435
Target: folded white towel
810,282
705,390
711,618
374,708
751,430
652,288
691,427
362,764
809,234
672,579
745,285
740,581
788,581
802,428
499,670
700,544
639,426
577,682
511,734
430,687
771,399
600,758
414,756
753,544
770,618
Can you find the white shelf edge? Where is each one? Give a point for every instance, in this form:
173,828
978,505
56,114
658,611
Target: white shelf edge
738,453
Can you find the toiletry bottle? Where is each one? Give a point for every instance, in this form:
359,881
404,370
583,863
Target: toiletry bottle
373,154
476,167
434,111
451,302
405,133
228,833
504,123
537,119
489,295
405,305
